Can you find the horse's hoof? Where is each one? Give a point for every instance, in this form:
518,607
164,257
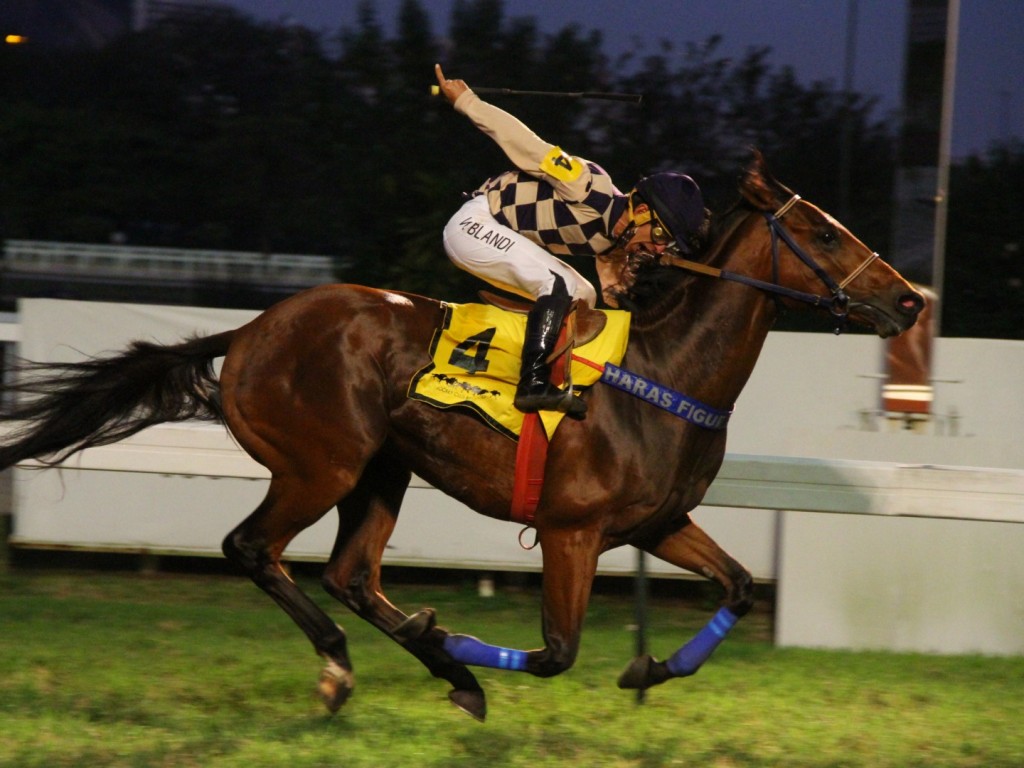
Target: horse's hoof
417,625
634,676
335,686
473,703
643,672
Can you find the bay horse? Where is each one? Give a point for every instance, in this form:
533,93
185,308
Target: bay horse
315,390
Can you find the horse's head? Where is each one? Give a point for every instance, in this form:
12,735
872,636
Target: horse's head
817,260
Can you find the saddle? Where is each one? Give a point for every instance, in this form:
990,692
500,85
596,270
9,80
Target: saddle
581,325
475,364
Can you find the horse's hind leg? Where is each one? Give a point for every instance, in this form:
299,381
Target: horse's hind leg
691,548
256,546
367,517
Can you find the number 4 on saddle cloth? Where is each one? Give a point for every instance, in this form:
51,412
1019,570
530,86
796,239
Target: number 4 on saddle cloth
475,360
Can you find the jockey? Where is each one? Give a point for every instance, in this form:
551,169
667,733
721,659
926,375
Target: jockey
511,231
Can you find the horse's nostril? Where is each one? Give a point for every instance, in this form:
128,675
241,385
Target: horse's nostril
911,303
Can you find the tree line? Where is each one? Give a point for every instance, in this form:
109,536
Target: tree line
216,131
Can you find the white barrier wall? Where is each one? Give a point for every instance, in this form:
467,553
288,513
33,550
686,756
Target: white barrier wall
180,489
860,580
869,554
900,584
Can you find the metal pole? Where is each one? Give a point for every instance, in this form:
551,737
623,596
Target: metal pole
640,612
846,137
945,144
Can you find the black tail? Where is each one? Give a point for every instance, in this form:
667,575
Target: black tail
73,406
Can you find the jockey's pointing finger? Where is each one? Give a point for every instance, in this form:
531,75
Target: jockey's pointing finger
451,89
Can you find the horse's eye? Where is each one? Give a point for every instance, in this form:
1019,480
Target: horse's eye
829,237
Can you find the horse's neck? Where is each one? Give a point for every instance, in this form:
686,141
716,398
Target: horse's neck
708,344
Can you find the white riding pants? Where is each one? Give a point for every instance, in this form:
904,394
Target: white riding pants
477,243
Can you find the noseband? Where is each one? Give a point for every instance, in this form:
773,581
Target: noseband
837,303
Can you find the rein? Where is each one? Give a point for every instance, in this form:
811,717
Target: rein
837,303
695,411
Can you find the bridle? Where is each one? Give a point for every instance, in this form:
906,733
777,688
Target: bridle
837,302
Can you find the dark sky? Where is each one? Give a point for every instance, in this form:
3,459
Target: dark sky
809,35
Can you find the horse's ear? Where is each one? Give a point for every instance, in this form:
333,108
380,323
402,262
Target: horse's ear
758,187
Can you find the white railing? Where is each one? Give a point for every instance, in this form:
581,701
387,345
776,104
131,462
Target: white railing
903,552
868,554
744,481
148,263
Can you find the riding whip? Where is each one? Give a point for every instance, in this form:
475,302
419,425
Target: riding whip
635,98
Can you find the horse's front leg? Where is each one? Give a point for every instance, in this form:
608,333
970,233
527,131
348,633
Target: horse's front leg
570,562
691,548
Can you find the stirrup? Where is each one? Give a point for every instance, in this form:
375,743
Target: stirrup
552,399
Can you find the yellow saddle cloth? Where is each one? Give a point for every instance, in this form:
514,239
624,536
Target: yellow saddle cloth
475,360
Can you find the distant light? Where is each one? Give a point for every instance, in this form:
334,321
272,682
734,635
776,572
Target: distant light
15,39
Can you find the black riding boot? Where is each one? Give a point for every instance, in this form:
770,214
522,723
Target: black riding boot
535,391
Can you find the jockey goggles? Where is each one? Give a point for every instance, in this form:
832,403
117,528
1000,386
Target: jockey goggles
659,232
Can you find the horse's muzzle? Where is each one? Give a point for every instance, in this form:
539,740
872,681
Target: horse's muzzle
910,304
889,317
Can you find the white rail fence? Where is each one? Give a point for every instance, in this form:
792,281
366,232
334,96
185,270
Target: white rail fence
864,554
122,262
889,540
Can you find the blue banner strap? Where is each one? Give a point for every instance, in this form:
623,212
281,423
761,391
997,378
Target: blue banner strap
667,399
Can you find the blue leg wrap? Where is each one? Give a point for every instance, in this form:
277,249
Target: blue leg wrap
469,650
688,659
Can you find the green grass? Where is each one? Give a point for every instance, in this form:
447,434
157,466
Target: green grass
124,670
